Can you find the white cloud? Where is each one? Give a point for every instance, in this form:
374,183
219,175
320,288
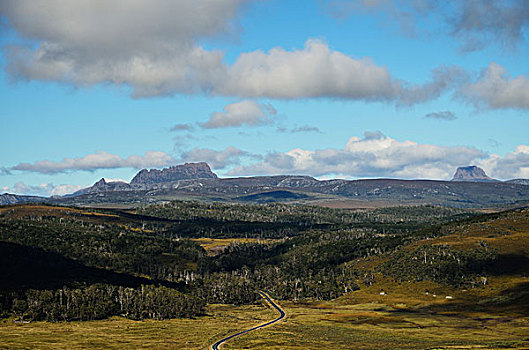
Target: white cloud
216,159
95,161
374,155
45,189
246,112
151,46
154,47
314,71
514,165
61,190
318,71
94,27
496,89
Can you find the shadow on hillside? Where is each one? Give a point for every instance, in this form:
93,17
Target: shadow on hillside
510,264
23,267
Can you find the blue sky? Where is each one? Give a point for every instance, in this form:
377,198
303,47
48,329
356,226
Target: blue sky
350,89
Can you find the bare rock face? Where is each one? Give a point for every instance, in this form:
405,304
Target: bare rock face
471,174
103,186
187,171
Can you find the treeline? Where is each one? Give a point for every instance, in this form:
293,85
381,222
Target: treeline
100,301
300,214
239,286
276,220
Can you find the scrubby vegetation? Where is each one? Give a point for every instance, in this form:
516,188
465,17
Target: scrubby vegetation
144,264
442,264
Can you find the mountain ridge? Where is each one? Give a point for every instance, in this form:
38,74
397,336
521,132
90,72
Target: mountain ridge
185,171
196,181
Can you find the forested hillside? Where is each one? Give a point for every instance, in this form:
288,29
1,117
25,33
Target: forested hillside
70,263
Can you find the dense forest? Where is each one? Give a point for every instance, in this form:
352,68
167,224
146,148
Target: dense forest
145,264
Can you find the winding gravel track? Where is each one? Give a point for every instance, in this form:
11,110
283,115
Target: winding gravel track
265,296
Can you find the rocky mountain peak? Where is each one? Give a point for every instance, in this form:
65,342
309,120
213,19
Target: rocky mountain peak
472,174
100,183
187,171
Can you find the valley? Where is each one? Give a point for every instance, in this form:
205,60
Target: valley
402,277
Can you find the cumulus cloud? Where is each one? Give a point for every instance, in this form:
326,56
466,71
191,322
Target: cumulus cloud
95,161
318,71
495,89
514,165
45,189
314,71
126,49
475,23
246,112
444,115
216,159
151,46
374,155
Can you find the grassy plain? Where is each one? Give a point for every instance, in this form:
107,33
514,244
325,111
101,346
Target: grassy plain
120,333
404,318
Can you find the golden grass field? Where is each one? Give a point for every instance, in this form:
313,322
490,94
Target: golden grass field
214,246
404,318
119,333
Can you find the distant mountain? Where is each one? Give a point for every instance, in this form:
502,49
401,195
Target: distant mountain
272,196
471,187
261,189
186,171
102,186
8,198
153,178
471,174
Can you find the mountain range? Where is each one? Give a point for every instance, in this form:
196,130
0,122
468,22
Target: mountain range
470,187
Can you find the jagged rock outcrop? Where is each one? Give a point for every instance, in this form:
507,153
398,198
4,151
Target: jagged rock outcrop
471,174
187,171
102,186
